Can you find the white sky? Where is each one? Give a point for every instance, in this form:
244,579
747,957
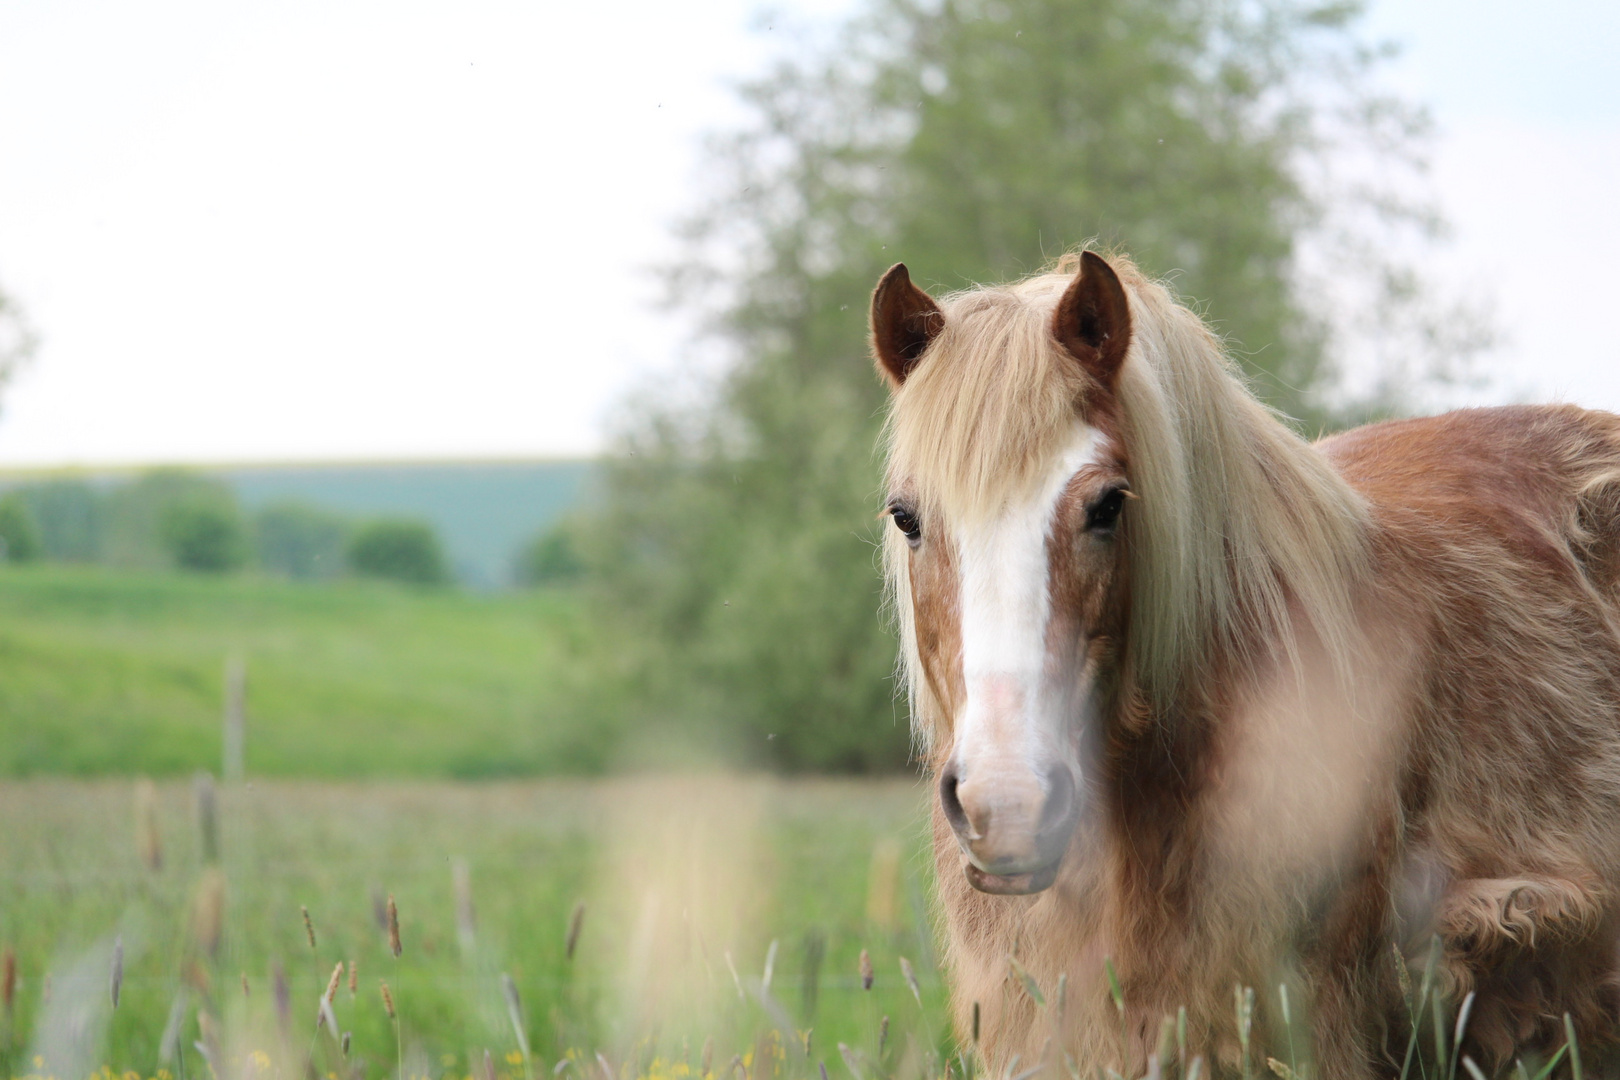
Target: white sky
337,230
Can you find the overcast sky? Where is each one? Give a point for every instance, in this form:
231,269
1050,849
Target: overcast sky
318,230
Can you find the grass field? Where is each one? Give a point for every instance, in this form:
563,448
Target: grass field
686,884
108,672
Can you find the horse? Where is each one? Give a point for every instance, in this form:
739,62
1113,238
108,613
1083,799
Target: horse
1211,707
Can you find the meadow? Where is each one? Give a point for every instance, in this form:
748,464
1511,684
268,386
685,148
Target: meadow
707,912
105,671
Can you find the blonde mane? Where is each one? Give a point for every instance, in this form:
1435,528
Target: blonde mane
1239,520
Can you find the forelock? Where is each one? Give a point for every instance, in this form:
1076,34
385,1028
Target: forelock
994,399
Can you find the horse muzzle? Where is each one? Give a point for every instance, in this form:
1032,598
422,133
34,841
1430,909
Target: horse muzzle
1013,827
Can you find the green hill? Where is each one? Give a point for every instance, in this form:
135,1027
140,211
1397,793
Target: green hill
120,672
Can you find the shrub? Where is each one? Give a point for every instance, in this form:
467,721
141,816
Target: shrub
550,559
203,535
19,535
398,549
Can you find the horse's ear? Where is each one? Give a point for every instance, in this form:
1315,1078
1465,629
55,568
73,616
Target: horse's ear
904,320
1093,320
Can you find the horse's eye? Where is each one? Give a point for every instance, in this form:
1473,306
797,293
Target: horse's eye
1104,513
906,522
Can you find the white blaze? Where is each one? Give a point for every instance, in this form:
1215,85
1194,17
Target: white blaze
1005,607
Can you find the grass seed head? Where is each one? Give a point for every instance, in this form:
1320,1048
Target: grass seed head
346,1044
332,983
208,915
117,969
708,1055
911,979
207,816
514,1010
576,922
8,981
866,970
393,928
148,841
1281,1069
388,1001
309,926
282,995
354,978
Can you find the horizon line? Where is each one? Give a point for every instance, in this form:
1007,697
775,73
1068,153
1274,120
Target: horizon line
105,468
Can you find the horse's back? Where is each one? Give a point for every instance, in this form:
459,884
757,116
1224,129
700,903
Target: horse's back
1499,538
1538,483
1524,455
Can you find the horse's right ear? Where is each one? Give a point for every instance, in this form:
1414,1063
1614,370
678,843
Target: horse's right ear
904,320
1093,320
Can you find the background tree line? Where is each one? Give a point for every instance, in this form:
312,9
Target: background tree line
171,518
731,560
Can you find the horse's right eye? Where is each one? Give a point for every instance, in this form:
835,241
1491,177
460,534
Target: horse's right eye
907,523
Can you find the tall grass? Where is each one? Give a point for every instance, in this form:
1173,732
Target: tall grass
545,953
700,929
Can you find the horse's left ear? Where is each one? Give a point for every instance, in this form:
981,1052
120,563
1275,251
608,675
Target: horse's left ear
1093,320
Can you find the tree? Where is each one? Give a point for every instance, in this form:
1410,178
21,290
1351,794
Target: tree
19,535
398,549
203,535
975,139
550,559
172,517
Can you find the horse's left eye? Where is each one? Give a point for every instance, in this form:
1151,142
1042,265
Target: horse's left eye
906,522
1104,513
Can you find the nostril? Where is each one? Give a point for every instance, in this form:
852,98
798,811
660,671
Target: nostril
951,804
1059,806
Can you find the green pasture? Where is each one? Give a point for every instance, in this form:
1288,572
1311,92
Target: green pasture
686,884
105,671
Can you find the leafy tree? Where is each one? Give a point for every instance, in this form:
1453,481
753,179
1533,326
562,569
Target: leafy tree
398,549
550,559
145,519
19,536
299,540
204,535
975,139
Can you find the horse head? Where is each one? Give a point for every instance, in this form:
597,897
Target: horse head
1010,500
